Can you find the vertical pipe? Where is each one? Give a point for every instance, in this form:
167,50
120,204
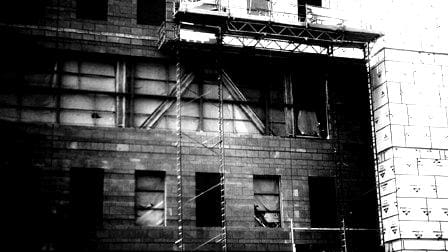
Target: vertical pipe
179,242
374,146
293,245
222,168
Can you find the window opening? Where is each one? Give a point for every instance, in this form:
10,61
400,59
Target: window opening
92,9
150,12
150,198
208,205
267,202
322,193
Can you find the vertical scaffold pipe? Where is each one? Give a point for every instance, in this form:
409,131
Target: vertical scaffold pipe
373,135
180,240
222,168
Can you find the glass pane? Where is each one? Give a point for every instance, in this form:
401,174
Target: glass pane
151,183
265,185
150,200
150,217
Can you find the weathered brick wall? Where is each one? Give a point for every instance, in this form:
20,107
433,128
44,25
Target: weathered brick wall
57,26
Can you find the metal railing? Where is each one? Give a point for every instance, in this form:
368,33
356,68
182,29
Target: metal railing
273,11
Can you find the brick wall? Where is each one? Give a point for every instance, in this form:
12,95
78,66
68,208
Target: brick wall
53,150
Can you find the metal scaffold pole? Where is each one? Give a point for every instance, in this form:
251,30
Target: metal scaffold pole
222,168
180,240
374,146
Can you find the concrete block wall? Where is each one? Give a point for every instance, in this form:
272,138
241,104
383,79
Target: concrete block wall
411,123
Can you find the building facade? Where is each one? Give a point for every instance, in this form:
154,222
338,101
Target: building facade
158,125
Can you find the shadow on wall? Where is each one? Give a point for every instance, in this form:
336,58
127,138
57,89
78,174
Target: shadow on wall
23,206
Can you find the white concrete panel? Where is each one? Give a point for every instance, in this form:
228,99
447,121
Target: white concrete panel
383,139
398,135
417,136
391,228
386,170
438,245
442,187
438,209
398,114
412,209
406,166
419,230
379,96
378,74
388,187
381,117
389,205
415,186
433,167
439,137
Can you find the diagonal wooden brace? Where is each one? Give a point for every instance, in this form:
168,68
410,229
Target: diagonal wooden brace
151,121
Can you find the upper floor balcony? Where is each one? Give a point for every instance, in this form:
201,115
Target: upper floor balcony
281,25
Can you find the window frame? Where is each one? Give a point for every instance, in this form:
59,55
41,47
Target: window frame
137,208
277,180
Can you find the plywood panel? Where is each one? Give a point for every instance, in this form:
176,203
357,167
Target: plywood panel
151,70
389,205
153,87
30,115
417,136
415,186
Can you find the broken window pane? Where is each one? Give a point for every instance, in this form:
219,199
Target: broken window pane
150,198
266,202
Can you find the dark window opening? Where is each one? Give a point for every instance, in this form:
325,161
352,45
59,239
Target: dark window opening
92,9
150,12
301,7
150,198
87,197
310,101
22,11
208,201
267,201
322,201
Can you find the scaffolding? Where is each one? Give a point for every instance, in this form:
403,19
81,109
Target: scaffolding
220,30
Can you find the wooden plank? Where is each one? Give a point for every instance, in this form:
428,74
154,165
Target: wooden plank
151,121
236,94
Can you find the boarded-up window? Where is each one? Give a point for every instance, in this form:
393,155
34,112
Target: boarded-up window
86,198
267,201
322,201
150,198
91,100
208,201
92,9
150,12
